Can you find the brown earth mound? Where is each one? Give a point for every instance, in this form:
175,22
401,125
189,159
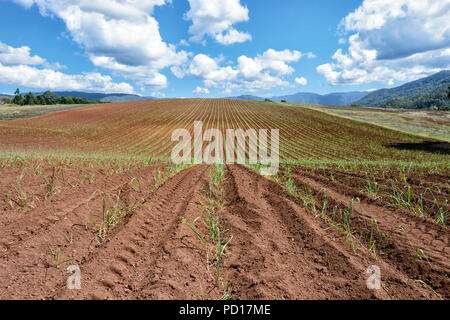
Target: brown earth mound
279,249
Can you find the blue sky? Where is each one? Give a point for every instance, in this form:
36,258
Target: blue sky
217,48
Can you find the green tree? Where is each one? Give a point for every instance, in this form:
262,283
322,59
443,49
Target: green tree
29,99
62,100
18,99
78,100
50,98
40,100
5,100
69,100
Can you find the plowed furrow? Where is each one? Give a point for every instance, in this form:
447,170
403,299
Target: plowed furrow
280,251
406,233
125,264
59,206
28,260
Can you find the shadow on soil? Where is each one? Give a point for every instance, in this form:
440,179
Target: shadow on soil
428,146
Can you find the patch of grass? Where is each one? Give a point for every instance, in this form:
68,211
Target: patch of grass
50,183
111,218
135,184
419,255
56,255
418,122
372,188
339,217
215,241
12,112
25,200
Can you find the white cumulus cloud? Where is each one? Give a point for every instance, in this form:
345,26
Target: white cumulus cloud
200,90
301,81
392,41
233,36
215,18
14,56
263,72
32,77
118,35
19,67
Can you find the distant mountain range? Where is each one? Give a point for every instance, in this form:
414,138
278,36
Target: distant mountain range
111,97
335,99
247,97
419,94
429,92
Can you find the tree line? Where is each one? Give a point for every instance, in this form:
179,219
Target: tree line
47,98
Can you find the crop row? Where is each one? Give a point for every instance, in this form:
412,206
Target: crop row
144,129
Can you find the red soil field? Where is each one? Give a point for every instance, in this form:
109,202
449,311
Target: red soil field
144,128
293,236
